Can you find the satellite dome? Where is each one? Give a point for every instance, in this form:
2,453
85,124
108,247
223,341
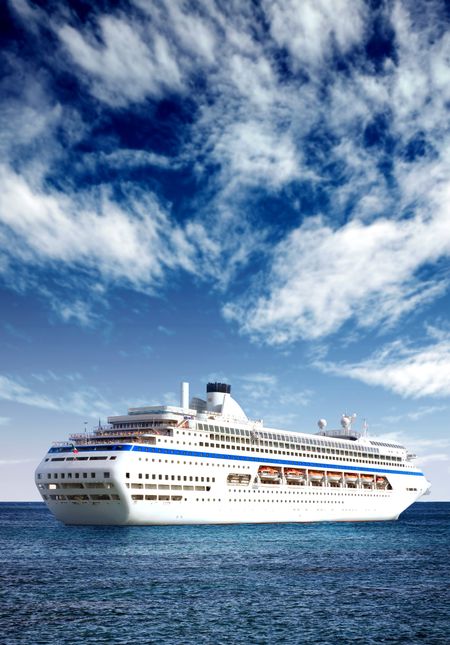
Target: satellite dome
347,420
322,423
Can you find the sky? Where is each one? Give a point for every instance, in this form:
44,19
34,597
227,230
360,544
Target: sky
252,192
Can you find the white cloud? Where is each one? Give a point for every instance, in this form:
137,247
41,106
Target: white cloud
260,378
122,66
15,462
425,459
135,243
125,159
165,330
414,415
321,277
78,311
11,390
313,29
86,401
255,153
409,371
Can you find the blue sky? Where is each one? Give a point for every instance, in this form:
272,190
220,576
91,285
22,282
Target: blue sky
254,192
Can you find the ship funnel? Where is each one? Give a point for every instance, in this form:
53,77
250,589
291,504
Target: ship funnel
216,393
218,396
184,398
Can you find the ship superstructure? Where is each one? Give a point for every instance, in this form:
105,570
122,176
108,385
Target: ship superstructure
205,462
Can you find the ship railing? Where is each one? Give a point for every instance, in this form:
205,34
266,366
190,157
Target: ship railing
340,434
100,441
81,436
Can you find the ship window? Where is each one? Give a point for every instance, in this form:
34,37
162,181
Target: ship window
92,475
106,475
127,475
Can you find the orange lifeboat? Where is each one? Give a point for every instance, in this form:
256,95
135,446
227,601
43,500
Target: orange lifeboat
316,475
367,480
268,472
334,477
294,474
351,477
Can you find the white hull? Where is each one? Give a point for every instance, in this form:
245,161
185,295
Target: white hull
223,503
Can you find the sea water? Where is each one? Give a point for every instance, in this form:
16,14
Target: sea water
330,583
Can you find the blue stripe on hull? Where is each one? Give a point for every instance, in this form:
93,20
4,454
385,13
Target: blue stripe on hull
215,455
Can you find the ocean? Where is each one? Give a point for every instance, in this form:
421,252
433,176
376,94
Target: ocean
332,584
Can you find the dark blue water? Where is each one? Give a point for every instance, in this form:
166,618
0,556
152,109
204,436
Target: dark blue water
365,583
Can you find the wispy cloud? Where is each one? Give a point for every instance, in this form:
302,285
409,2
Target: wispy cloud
312,289
286,108
84,400
15,332
11,390
93,232
15,462
414,415
121,65
407,369
165,330
313,34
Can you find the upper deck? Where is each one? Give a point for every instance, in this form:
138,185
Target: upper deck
205,429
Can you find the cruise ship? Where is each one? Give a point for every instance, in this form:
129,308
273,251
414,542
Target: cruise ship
206,462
